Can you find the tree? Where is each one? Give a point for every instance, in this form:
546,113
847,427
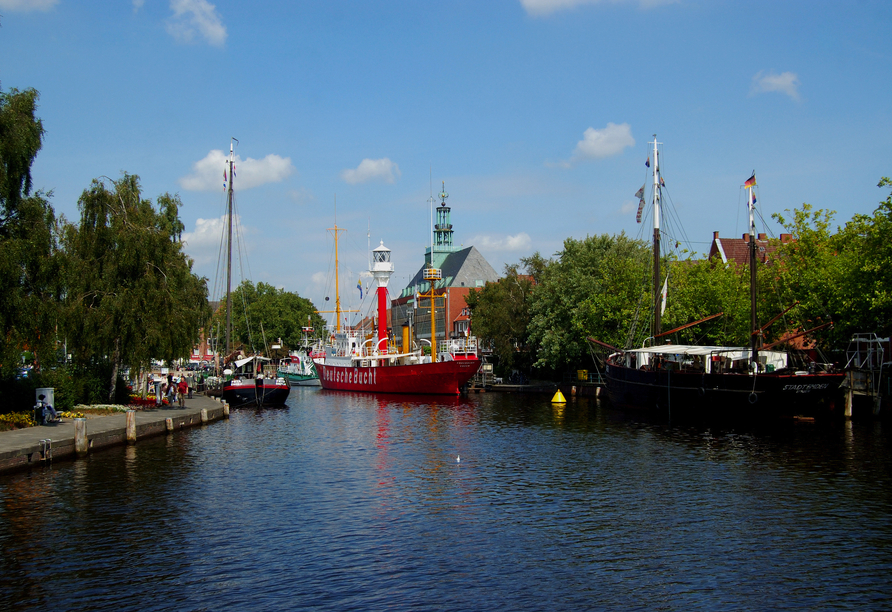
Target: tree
811,271
593,288
865,271
21,136
131,293
263,312
500,315
701,288
29,278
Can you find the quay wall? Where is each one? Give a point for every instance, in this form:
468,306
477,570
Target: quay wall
39,446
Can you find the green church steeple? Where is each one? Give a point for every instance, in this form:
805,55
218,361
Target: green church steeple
443,244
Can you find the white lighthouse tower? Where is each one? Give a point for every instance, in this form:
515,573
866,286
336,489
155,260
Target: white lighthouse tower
382,268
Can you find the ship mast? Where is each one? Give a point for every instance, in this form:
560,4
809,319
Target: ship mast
755,332
335,231
229,252
656,200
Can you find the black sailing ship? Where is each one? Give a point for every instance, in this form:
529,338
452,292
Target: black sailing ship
718,381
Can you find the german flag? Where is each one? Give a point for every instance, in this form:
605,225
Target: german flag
751,181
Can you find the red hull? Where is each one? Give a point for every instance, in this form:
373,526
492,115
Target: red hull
441,378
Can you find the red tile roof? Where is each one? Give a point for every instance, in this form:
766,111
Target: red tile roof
737,249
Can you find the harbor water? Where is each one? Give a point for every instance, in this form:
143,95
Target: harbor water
488,502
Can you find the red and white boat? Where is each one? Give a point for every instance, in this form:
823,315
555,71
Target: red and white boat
357,362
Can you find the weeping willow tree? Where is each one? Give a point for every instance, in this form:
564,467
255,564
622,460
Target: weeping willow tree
29,275
131,294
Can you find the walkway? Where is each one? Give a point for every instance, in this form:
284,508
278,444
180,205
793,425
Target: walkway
23,448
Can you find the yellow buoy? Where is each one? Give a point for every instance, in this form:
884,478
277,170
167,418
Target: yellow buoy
558,398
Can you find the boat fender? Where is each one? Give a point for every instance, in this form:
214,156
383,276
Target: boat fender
753,398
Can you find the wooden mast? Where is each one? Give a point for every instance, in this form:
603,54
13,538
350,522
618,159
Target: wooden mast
656,200
756,333
229,254
335,231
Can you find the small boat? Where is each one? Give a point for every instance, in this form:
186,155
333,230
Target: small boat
245,386
298,368
718,381
370,363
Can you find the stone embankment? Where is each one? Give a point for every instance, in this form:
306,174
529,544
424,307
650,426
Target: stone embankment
37,446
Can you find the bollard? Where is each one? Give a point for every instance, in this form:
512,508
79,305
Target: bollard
131,426
226,410
80,437
204,416
169,423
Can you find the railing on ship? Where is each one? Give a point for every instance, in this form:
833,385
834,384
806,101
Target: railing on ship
584,376
464,345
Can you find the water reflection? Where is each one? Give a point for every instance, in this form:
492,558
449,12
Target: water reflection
351,501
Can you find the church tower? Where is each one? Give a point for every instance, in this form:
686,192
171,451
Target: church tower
443,244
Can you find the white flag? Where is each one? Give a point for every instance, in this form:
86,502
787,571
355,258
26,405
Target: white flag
665,290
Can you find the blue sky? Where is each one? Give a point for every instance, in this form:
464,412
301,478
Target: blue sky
536,113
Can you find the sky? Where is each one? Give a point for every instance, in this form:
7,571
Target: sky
536,114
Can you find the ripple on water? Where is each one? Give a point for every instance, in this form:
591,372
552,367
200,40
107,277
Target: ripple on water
352,502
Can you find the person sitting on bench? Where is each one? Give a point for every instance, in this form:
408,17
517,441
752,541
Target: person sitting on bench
48,414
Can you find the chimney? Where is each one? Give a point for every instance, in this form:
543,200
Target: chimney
785,238
763,236
746,237
715,236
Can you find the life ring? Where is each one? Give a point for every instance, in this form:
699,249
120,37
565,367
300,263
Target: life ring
753,398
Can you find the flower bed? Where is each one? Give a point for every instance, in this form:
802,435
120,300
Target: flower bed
16,420
136,400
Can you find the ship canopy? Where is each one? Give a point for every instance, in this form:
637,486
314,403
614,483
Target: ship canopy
704,355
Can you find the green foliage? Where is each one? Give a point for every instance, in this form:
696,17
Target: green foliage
131,294
865,259
702,288
500,313
21,136
591,289
30,285
29,266
71,386
281,314
844,277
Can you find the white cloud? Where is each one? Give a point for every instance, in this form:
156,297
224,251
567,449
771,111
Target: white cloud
786,83
302,196
27,5
606,142
203,244
372,170
207,174
629,206
543,8
518,242
196,17
138,4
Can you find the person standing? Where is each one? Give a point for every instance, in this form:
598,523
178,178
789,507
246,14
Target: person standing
182,388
